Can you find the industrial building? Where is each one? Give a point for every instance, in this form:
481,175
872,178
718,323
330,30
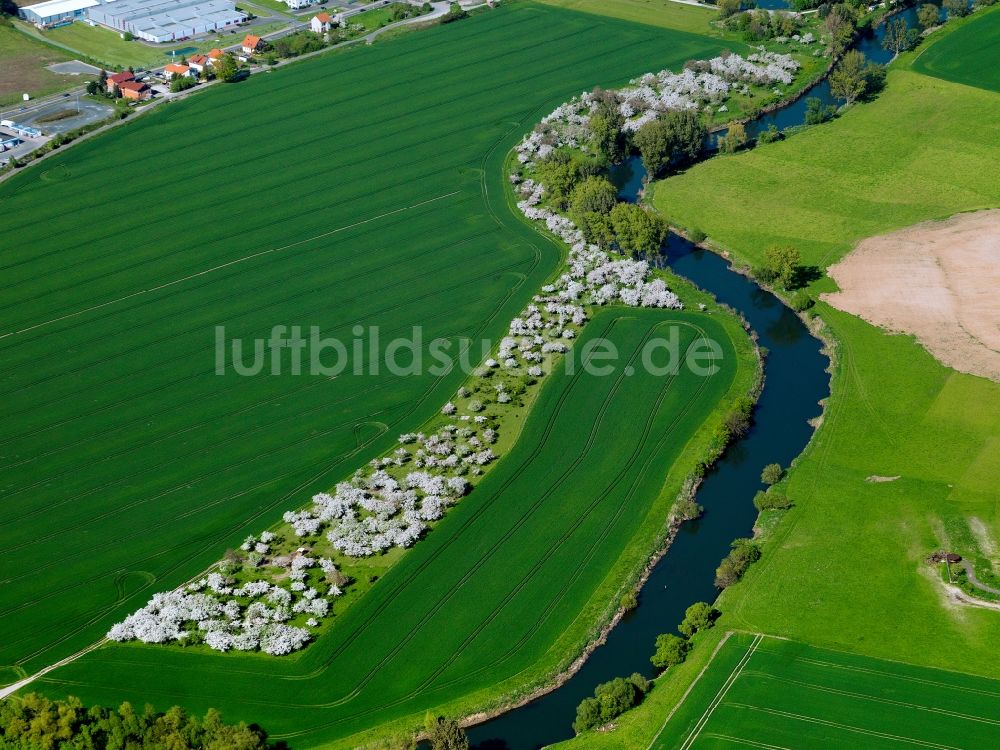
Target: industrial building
166,20
56,12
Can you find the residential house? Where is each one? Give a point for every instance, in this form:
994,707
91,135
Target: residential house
321,22
252,44
136,91
297,4
115,81
178,70
215,54
197,63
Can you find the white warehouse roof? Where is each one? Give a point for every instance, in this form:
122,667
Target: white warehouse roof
59,7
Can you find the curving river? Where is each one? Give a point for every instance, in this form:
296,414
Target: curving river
796,381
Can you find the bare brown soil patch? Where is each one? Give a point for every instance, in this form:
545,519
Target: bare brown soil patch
939,281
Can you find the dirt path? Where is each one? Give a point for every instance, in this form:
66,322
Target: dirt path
938,281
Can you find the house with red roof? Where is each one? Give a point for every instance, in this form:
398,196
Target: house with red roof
178,70
321,22
197,63
252,44
135,91
115,81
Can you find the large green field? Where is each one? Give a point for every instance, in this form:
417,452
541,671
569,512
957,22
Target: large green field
492,599
307,196
765,692
968,53
845,568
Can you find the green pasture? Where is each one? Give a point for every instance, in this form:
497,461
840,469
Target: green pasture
765,692
22,67
905,158
309,197
664,13
845,568
967,52
492,599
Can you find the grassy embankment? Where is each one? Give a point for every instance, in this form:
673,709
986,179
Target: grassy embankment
105,47
22,67
846,565
137,466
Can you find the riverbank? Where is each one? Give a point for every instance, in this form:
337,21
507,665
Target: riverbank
893,411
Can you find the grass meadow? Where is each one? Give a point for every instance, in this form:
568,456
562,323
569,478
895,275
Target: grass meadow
665,13
310,196
844,568
766,692
966,53
22,67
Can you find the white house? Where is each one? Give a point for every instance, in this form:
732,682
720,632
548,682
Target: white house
296,4
176,69
321,22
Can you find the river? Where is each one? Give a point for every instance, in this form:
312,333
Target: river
796,381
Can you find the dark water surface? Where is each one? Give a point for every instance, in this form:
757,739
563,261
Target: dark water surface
796,380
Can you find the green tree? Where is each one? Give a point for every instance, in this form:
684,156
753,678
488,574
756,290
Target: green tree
677,136
699,616
771,500
728,8
772,474
742,555
226,68
611,699
735,138
606,123
593,195
849,79
897,38
670,650
588,715
956,8
817,113
446,734
93,87
780,266
928,15
637,231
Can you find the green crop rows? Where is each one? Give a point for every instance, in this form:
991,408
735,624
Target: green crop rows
363,188
483,599
967,54
766,692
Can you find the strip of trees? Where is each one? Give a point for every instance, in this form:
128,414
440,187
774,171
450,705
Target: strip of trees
34,721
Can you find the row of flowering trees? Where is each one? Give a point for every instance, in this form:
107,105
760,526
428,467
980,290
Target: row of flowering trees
273,593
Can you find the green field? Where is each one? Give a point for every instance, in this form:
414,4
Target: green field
665,13
895,162
106,47
844,569
493,597
822,191
128,466
967,52
22,67
764,692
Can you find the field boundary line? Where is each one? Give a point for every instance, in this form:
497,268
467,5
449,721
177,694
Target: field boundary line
229,263
876,699
729,634
749,742
847,727
14,687
720,696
